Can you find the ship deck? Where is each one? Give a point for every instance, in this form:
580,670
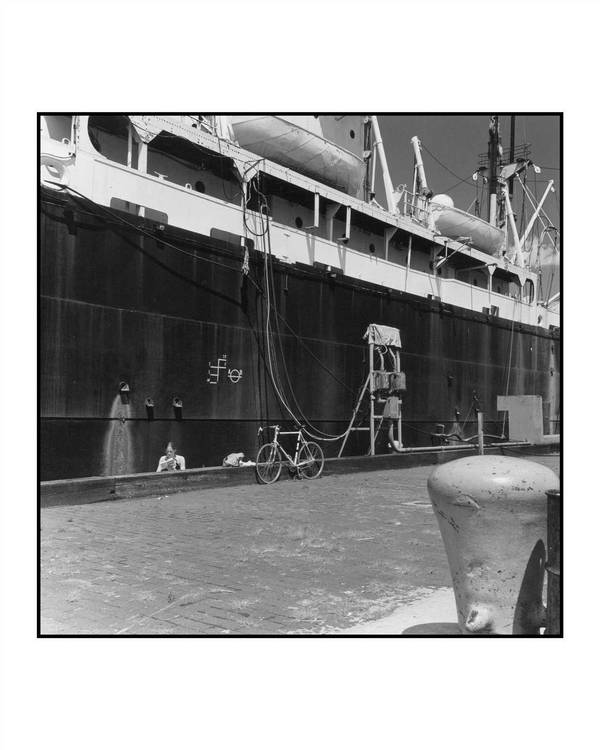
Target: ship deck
354,553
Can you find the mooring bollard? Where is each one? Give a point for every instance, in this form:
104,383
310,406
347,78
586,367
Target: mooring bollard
491,511
553,626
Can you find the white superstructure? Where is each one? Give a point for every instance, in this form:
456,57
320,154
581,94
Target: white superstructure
189,172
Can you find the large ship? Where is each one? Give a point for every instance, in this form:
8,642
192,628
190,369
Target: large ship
201,276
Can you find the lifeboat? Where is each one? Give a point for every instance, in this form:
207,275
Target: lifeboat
455,224
298,143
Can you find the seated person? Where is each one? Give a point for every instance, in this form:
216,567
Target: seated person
171,461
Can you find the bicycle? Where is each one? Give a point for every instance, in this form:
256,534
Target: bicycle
308,458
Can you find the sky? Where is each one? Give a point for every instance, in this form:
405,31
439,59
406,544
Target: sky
457,140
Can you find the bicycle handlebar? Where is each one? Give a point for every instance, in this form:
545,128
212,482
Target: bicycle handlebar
268,427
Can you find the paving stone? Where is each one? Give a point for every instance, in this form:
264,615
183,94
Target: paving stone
295,557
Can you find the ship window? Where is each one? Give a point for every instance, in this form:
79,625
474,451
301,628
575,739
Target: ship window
108,135
298,222
230,240
475,282
352,134
528,291
134,208
199,187
514,290
371,248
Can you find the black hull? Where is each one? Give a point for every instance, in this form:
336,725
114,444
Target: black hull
119,306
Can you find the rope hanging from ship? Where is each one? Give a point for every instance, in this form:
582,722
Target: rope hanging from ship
274,372
265,232
103,212
264,238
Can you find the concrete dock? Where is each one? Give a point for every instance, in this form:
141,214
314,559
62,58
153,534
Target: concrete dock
345,554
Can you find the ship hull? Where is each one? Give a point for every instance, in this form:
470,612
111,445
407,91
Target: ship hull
173,316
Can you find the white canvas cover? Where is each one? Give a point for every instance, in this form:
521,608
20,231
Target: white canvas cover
453,223
298,143
383,335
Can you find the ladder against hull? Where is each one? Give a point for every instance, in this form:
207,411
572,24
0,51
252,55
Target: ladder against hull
383,386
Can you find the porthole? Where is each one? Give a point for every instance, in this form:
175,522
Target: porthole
199,186
352,134
298,222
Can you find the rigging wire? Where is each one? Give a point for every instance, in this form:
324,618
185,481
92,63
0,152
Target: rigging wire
141,230
532,199
433,156
272,357
107,211
456,184
461,180
273,365
466,419
279,338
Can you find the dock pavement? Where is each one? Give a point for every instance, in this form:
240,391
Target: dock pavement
351,555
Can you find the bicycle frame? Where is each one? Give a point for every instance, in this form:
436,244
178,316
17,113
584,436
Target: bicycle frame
300,442
307,462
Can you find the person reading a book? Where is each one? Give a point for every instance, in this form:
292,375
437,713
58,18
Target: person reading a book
171,461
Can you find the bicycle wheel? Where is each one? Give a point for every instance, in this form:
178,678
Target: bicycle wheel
310,461
268,464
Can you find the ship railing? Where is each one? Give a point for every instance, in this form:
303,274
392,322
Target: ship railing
412,205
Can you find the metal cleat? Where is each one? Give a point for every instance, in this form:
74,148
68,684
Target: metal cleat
491,511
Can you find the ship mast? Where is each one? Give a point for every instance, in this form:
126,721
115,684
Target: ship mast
511,158
493,153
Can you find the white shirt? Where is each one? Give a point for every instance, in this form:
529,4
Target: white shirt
163,464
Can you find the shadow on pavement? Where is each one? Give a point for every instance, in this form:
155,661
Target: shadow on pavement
433,628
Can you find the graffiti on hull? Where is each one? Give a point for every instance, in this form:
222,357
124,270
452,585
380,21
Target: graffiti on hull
220,371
